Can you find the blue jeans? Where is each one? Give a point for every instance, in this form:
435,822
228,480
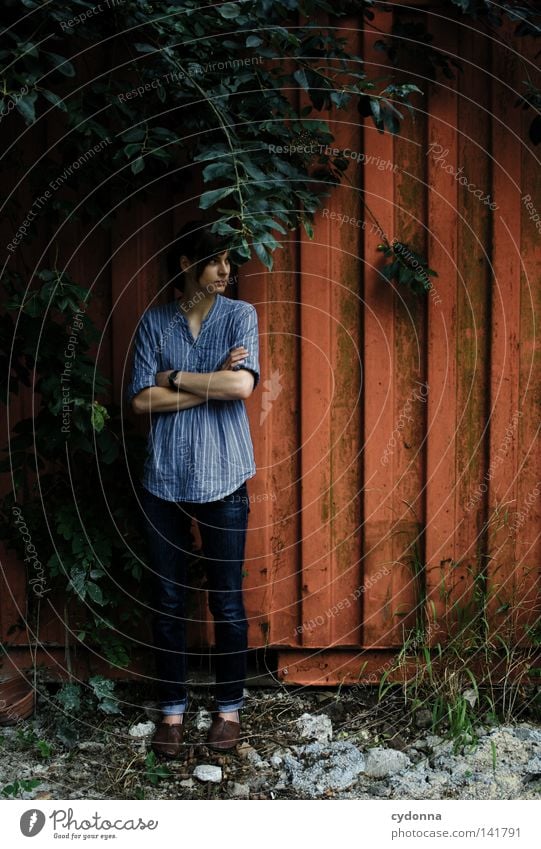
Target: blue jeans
222,525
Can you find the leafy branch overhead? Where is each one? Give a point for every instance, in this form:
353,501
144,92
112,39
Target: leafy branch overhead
186,82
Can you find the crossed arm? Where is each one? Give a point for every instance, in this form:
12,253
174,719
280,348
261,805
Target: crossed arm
196,388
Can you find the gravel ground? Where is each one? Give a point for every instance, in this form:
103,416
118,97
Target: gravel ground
312,744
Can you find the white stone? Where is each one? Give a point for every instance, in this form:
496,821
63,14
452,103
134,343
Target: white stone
241,791
208,772
203,720
254,758
382,762
318,728
470,696
142,729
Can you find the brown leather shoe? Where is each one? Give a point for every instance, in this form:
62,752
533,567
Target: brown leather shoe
223,734
168,738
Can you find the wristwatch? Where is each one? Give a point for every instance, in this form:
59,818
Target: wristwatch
171,380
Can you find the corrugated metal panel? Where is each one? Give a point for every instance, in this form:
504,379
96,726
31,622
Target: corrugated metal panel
391,432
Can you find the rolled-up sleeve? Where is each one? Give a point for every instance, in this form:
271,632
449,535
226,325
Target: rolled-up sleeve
144,367
246,334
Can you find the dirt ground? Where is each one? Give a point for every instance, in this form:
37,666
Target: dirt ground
94,756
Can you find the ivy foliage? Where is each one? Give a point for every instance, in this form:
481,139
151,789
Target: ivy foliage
185,82
67,463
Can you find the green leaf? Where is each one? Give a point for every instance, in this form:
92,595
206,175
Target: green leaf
269,222
376,109
210,198
216,170
302,79
95,593
252,169
69,696
145,48
212,152
54,99
60,63
25,105
135,134
130,149
229,10
138,165
99,416
263,254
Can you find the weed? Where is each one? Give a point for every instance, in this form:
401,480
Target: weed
23,786
155,771
476,668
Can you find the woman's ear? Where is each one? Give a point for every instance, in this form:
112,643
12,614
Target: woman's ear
184,262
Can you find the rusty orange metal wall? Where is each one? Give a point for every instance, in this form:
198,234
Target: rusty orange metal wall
395,436
400,457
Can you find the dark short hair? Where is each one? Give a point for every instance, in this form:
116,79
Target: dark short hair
196,241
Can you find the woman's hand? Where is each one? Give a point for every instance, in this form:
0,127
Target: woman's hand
236,355
162,378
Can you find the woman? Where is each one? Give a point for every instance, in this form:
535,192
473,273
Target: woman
196,360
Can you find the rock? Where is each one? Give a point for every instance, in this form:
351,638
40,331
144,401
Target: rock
208,772
319,768
533,767
382,762
240,791
254,758
276,761
203,720
525,733
140,735
244,750
142,729
188,782
470,696
420,782
78,774
318,728
383,791
91,746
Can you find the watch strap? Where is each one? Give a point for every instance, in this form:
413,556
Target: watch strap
171,379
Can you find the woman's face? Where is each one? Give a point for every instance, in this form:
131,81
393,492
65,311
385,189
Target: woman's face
215,275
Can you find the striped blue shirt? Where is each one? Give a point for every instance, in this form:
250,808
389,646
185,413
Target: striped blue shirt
205,452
